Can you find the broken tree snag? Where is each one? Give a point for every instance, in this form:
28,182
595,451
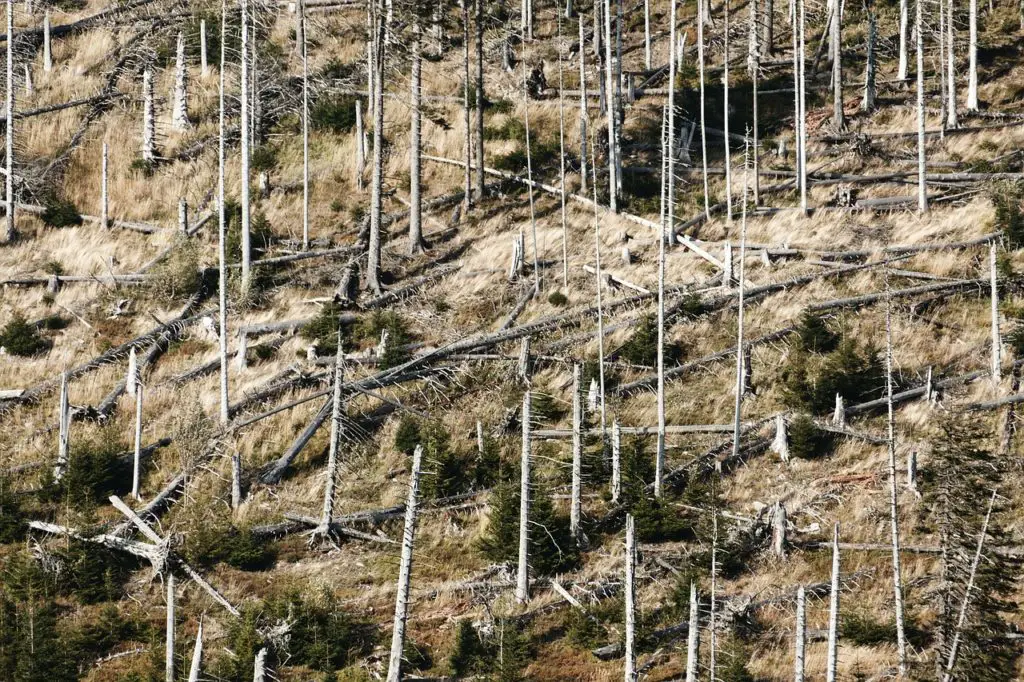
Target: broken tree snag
779,530
912,470
616,460
236,479
197,655
47,54
630,589
337,413
137,453
525,365
204,66
929,388
148,118
833,611
404,570
259,667
360,146
780,444
522,574
994,287
801,633
577,452
179,111
839,414
693,636
64,435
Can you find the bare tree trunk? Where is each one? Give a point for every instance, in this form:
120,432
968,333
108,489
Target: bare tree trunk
702,9
584,117
951,104
577,452
922,188
529,180
693,635
64,429
104,192
137,458
523,575
972,72
415,200
131,378
465,105
647,36
561,159
867,104
236,480
904,29
779,530
610,112
179,112
480,185
360,144
802,142
300,8
833,612
897,577
943,97
801,632
246,245
712,601
752,39
768,39
337,414
148,118
373,259
222,275
259,668
47,54
997,359
630,589
757,143
616,461
204,65
667,232
738,405
405,569
962,618
838,117
197,655
183,216
169,642
725,116
300,28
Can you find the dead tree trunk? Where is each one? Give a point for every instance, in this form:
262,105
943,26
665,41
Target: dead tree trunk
725,116
244,133
702,10
132,378
222,275
997,359
972,69
584,118
337,413
561,161
868,103
922,188
405,569
64,429
616,461
768,38
169,641
522,575
179,111
802,114
300,28
904,29
529,180
236,479
360,144
204,65
300,38
577,452
137,458
104,195
667,230
901,642
465,105
952,120
47,54
801,631
197,655
693,635
373,282
415,165
630,590
148,118
480,184
738,407
647,35
838,117
752,39
833,612
610,111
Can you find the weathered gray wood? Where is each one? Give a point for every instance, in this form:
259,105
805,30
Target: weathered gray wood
197,651
630,590
179,110
148,118
522,573
832,662
575,506
801,632
405,571
693,631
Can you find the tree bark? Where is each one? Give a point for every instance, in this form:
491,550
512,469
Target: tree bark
300,38
405,569
630,589
838,117
522,574
222,274
300,28
833,612
801,633
752,38
867,104
904,29
972,72
577,452
768,40
952,120
373,282
179,112
244,134
922,188
415,200
996,359
693,636
148,118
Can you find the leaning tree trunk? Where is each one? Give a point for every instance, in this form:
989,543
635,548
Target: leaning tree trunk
522,575
373,282
867,104
179,111
693,634
833,612
922,187
415,200
799,655
901,73
337,414
405,570
244,133
897,577
630,589
222,274
577,452
838,117
951,117
972,73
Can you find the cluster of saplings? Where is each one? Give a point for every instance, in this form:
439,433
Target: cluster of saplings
322,331
25,339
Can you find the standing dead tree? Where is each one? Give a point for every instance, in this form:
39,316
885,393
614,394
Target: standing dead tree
577,452
832,663
179,110
222,274
693,634
799,655
244,133
10,230
972,56
522,574
64,432
337,414
922,189
405,570
377,54
415,164
630,590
